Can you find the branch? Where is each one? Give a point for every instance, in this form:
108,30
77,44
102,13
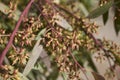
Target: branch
23,14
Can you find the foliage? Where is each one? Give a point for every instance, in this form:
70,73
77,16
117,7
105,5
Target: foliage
42,39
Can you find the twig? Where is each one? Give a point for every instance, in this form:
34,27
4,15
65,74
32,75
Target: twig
23,14
76,62
45,17
40,10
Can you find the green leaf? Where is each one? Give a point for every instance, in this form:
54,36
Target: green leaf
100,10
40,33
38,67
87,3
37,50
62,22
117,59
105,17
97,76
117,19
117,25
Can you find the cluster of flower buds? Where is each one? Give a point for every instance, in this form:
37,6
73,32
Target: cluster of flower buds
2,36
25,36
9,73
89,27
18,58
12,8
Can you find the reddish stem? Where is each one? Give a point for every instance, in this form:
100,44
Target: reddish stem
23,14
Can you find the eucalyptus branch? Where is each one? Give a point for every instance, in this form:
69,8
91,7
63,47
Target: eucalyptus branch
65,32
23,14
96,41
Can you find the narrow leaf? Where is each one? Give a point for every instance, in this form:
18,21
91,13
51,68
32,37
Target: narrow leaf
117,19
105,17
44,56
45,59
37,50
100,10
117,59
40,33
97,76
62,22
38,67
